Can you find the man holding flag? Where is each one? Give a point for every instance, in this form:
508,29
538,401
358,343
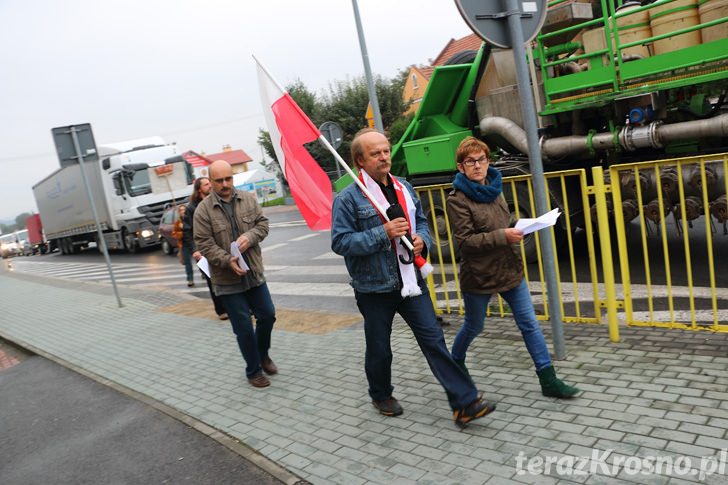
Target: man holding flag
386,282
380,229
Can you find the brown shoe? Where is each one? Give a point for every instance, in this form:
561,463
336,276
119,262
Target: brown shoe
259,380
268,366
223,316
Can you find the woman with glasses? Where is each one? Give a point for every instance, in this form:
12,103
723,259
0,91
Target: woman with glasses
490,261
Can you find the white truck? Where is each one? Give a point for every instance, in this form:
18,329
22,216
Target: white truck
131,184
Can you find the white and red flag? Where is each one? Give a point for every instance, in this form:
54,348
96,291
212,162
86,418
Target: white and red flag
290,129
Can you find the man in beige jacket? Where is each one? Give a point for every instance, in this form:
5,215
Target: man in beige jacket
229,216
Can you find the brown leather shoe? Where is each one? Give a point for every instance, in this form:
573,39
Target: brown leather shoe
259,380
268,366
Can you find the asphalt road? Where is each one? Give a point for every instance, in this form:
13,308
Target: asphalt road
60,427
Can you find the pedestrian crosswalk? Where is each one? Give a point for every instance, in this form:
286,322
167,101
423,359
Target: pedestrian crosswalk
324,280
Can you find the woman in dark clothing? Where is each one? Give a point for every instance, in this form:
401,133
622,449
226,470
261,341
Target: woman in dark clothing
479,218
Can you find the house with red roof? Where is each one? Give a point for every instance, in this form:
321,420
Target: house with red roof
200,162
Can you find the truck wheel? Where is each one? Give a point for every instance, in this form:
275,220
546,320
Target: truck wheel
462,57
130,245
99,248
166,248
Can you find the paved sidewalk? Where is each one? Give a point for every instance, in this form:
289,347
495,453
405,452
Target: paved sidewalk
659,394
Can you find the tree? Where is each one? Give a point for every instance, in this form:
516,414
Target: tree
347,101
20,220
346,104
271,164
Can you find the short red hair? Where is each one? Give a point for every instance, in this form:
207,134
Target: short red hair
468,146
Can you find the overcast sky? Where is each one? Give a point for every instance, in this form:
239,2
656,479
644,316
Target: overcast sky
182,69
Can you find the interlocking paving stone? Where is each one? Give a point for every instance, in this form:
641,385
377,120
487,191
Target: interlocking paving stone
643,396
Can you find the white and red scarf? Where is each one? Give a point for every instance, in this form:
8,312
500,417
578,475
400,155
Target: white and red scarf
407,271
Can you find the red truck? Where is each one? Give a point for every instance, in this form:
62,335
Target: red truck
36,238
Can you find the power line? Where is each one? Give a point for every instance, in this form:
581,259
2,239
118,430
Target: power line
15,158
25,157
213,125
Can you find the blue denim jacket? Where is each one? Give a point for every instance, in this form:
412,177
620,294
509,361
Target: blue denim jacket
357,233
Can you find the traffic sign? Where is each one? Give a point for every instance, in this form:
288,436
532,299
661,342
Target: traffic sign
332,132
370,116
63,139
489,19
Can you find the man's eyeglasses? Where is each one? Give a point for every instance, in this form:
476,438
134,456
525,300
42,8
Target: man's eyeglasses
226,179
470,162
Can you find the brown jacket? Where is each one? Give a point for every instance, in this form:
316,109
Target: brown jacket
488,263
213,235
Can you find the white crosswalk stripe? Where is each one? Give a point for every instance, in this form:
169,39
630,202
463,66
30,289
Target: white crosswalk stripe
330,255
288,224
173,276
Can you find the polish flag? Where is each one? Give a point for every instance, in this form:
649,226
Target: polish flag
290,129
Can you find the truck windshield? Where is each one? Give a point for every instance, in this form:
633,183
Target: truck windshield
137,182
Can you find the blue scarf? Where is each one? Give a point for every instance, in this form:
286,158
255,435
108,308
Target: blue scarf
478,192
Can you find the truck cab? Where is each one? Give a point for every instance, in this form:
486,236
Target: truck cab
142,177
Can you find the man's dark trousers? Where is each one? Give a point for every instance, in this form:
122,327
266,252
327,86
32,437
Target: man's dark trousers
254,343
378,310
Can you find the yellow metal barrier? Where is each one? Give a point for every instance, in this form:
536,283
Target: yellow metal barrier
667,217
678,251
575,260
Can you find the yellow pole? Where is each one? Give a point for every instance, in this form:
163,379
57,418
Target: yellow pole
600,194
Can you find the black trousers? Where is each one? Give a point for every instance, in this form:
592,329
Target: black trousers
219,308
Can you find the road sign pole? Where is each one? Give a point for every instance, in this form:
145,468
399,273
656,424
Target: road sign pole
368,70
100,236
513,12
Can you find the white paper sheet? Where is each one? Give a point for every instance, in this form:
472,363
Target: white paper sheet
529,225
235,251
204,266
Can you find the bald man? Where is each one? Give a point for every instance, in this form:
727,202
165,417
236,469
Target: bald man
224,217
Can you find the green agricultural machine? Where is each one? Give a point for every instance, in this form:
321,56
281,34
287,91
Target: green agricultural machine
615,82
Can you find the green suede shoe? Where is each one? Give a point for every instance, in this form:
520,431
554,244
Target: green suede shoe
552,386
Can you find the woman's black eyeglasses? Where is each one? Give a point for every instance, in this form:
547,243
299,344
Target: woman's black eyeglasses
470,162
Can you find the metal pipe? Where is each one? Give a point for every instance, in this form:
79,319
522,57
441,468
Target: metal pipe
689,130
654,135
508,129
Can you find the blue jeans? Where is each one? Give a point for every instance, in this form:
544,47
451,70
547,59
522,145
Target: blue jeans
187,260
519,299
254,343
378,310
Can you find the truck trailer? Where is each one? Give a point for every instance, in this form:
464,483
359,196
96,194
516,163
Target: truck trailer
131,184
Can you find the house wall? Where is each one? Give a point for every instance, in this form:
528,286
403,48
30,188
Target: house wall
414,89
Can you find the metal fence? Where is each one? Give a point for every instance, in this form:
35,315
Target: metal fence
639,241
671,230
